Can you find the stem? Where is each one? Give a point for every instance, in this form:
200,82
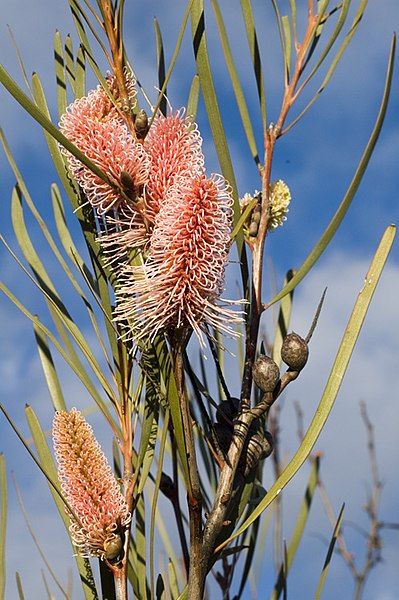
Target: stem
114,36
196,582
176,508
218,512
120,584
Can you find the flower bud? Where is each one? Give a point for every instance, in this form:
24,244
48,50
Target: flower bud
265,373
294,351
113,547
227,411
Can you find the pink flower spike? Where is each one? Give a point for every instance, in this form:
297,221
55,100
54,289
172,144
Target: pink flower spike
90,488
174,145
95,126
181,282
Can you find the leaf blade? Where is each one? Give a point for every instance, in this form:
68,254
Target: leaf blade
334,382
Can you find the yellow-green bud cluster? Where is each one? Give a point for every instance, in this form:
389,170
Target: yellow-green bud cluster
279,201
280,198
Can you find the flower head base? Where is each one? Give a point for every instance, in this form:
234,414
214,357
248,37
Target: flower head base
181,281
280,198
100,514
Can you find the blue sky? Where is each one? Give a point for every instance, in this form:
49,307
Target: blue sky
317,160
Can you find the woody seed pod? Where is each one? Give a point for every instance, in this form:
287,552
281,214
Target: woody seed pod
258,447
294,351
265,373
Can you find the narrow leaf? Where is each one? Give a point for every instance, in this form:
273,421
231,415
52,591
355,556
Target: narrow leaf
37,114
252,38
210,100
238,91
330,551
298,529
62,101
173,59
192,102
161,65
50,373
334,381
335,222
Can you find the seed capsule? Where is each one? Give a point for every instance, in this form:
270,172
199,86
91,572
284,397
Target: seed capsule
258,447
294,351
265,373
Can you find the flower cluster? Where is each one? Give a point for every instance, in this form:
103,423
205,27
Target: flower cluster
159,200
279,200
100,514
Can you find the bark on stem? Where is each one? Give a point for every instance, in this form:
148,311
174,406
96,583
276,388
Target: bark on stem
196,582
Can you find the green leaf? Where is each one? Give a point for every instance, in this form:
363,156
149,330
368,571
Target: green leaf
192,102
330,551
61,88
164,374
50,373
140,547
47,463
252,38
149,433
48,289
70,62
80,73
356,22
210,100
245,214
98,286
64,234
161,454
71,361
285,23
281,33
215,121
161,65
3,525
238,91
79,16
37,114
283,321
334,381
337,30
299,528
175,54
335,222
19,586
173,584
293,17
